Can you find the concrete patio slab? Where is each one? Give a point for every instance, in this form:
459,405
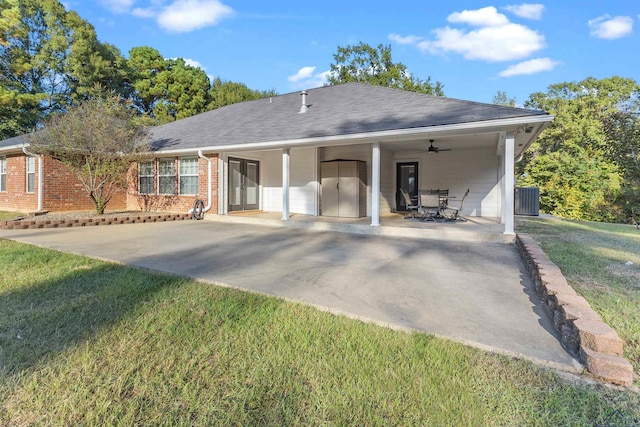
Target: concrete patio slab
473,292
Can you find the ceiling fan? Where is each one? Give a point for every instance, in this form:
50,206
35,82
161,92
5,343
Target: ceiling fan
433,149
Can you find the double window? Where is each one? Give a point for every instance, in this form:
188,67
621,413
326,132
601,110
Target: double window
31,174
184,178
3,173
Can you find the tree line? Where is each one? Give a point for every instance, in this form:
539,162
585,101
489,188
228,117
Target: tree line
51,58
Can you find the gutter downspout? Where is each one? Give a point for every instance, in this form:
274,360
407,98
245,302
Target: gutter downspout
209,183
40,177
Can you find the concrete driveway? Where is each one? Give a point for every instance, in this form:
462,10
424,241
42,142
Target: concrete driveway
476,293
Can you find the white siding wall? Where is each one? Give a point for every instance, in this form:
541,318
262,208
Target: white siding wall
302,181
458,170
476,168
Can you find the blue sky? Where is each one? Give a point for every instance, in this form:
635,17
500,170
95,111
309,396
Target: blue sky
475,48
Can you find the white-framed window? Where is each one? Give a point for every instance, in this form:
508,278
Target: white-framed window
188,178
146,178
166,176
3,173
31,174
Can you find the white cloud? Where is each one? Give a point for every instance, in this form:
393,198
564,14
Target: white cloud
606,27
187,15
532,66
404,39
526,10
144,12
118,6
500,43
307,78
485,17
303,73
494,39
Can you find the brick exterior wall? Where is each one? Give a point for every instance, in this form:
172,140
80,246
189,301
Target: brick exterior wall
176,202
62,191
16,198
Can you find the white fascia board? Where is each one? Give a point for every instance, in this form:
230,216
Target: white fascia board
13,148
368,137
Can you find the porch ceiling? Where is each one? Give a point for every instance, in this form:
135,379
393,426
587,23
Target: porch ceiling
460,142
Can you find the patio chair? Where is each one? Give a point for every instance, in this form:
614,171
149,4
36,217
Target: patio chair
409,204
444,197
429,205
452,212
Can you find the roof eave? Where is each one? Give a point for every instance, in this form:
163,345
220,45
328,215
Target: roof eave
13,148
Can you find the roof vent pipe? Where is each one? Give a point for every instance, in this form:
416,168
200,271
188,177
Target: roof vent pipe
304,108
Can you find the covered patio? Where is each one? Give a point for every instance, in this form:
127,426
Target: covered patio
289,180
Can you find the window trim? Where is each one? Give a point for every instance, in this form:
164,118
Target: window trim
30,161
190,175
3,174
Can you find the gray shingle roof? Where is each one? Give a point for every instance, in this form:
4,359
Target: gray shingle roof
346,109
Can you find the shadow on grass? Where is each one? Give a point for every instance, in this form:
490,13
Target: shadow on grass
42,320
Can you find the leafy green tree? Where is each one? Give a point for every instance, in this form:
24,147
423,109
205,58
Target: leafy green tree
501,98
570,161
145,64
185,91
225,93
365,64
622,131
98,140
48,58
167,89
92,65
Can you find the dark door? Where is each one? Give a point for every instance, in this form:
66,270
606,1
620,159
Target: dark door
244,184
407,179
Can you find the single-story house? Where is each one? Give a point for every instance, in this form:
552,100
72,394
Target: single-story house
341,150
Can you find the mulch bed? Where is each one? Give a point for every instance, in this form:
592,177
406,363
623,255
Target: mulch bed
86,219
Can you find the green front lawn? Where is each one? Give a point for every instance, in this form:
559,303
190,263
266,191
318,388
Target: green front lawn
85,342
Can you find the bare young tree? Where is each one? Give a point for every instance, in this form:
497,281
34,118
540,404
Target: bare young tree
98,140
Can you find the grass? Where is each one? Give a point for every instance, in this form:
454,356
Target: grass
85,342
594,257
6,216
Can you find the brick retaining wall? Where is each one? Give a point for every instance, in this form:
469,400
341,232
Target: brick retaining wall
582,331
27,223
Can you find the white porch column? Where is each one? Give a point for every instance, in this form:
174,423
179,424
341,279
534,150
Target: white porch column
509,182
375,184
285,183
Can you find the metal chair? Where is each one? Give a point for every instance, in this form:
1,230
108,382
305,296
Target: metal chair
455,210
409,204
444,197
429,205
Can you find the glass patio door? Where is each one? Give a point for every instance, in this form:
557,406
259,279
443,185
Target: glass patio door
407,179
244,184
